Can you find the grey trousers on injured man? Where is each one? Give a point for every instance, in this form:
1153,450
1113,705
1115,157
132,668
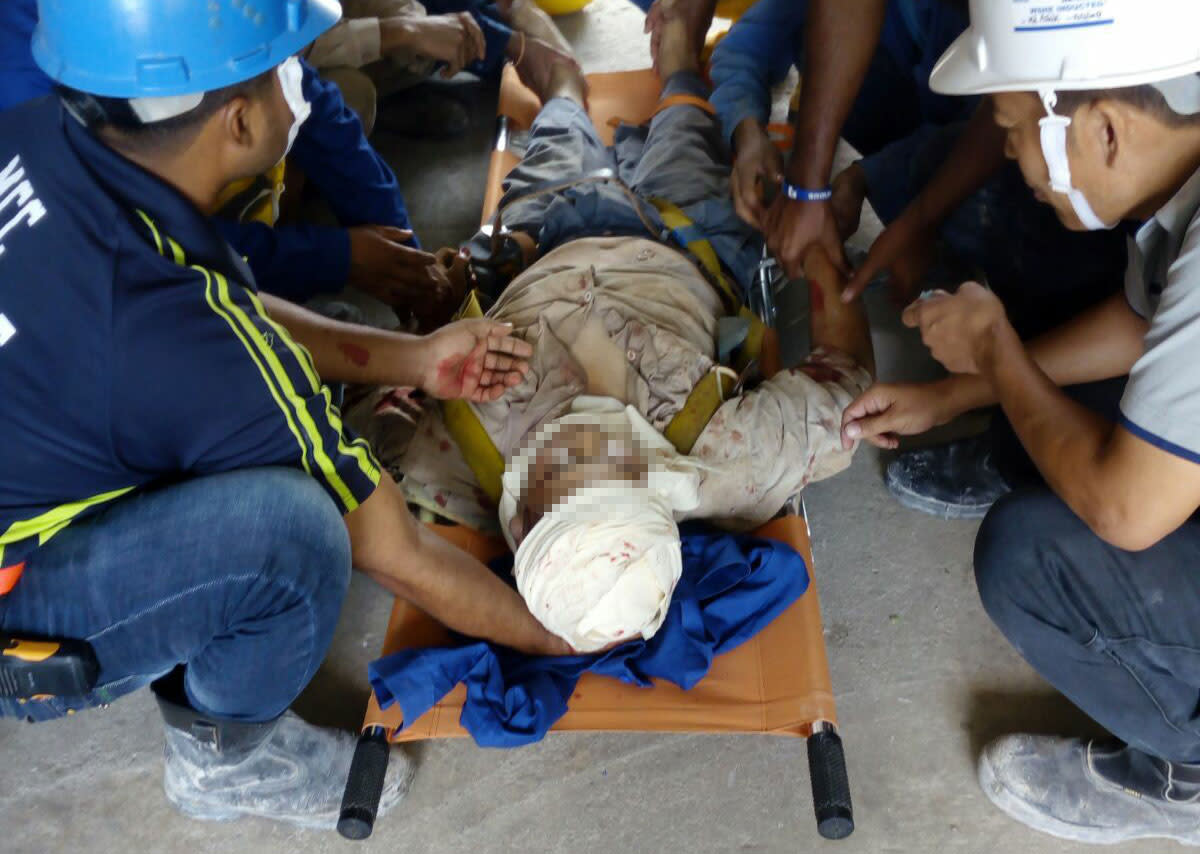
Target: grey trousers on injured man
680,156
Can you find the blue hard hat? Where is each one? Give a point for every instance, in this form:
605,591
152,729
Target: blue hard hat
153,48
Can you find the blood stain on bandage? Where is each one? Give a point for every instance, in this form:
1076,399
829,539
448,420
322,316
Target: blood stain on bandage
440,499
444,446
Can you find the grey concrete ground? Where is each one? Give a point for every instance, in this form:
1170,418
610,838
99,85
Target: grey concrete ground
922,681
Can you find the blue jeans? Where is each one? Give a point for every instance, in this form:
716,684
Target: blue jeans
1114,631
238,576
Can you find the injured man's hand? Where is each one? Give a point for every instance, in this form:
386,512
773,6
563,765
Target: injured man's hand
590,506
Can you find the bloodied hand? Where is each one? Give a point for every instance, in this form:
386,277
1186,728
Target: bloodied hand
474,359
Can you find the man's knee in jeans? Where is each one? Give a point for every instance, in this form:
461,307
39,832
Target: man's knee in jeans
1015,553
298,551
311,546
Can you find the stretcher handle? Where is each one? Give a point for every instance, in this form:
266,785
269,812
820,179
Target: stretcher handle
830,784
364,784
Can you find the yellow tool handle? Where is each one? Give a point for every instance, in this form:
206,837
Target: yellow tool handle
30,650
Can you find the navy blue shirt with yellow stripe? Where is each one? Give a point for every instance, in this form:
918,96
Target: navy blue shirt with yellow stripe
133,347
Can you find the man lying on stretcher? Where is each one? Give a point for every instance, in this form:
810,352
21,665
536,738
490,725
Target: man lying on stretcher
624,328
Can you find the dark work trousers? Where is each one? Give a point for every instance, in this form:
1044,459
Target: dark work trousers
1115,631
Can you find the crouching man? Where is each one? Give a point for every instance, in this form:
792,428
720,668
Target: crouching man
176,487
1089,565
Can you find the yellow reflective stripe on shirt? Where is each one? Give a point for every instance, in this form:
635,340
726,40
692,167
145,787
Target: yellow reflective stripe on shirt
358,449
176,251
54,520
209,295
322,459
282,389
153,230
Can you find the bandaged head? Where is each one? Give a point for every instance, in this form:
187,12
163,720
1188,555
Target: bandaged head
601,564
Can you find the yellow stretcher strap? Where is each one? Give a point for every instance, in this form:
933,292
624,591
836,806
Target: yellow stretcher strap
679,100
692,239
706,398
683,100
254,199
463,425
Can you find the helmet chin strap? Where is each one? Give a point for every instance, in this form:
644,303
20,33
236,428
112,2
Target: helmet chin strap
1054,149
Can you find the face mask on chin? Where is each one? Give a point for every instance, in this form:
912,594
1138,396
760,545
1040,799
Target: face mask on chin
291,81
1054,149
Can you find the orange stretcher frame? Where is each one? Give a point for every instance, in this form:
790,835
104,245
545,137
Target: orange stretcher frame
776,683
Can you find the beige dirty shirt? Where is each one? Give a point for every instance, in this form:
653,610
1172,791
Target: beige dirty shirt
635,320
355,40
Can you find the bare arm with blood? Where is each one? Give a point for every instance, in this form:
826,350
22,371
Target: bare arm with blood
833,324
472,359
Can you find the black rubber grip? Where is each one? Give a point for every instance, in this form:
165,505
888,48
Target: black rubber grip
830,785
364,784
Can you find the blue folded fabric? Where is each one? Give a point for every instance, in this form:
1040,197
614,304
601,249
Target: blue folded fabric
731,588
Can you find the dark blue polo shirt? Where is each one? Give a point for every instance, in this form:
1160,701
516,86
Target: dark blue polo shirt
133,349
296,261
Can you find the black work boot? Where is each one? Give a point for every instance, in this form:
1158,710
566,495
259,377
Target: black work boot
286,769
958,480
1100,793
423,112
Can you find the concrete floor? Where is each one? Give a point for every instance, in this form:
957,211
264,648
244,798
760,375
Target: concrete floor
922,679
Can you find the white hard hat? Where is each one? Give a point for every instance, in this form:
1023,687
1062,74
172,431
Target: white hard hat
1031,45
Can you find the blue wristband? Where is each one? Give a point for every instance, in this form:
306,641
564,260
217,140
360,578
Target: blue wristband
800,194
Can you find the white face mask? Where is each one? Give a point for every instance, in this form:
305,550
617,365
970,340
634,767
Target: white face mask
291,81
1054,149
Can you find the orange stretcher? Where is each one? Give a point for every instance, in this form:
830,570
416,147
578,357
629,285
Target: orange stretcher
774,684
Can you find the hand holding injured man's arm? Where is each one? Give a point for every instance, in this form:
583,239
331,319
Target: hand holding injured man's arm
473,359
1128,491
385,265
1101,343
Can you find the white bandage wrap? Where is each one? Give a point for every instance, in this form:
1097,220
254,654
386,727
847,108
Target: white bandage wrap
602,565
